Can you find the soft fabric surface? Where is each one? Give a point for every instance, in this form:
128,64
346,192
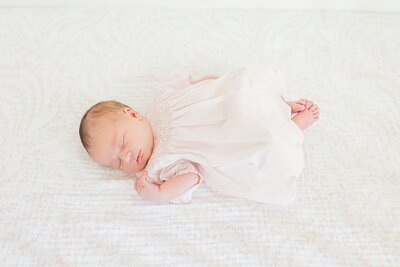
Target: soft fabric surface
59,208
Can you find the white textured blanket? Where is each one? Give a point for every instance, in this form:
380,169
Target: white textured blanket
59,208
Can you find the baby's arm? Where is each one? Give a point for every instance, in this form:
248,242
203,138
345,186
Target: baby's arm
177,185
168,190
207,77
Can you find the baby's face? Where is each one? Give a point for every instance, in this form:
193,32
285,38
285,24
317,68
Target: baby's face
125,144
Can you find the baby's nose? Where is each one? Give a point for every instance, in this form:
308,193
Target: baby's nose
127,157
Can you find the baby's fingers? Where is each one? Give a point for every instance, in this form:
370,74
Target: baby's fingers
139,183
136,185
145,176
142,181
139,189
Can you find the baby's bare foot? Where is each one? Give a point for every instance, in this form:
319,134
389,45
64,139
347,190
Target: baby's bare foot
298,105
307,117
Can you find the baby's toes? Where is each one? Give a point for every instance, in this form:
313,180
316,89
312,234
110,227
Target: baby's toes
315,111
309,104
314,107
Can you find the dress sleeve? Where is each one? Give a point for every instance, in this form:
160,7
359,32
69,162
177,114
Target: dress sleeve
178,168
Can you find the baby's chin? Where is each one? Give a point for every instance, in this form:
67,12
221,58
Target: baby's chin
144,162
142,168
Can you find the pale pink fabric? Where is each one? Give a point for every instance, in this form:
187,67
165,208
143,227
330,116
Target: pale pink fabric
236,132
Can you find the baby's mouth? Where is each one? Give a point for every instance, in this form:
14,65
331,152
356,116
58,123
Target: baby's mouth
138,157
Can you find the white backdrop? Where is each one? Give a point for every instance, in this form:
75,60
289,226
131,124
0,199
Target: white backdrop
389,6
59,208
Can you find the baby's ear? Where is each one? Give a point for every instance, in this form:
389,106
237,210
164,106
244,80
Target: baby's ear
132,113
126,110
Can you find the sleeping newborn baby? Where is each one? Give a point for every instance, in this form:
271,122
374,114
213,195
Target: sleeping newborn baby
236,133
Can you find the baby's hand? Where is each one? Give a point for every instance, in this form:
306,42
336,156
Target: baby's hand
146,188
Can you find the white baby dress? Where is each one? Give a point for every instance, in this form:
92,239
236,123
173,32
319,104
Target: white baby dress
236,132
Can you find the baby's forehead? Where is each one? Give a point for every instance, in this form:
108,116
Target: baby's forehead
102,126
103,144
103,123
